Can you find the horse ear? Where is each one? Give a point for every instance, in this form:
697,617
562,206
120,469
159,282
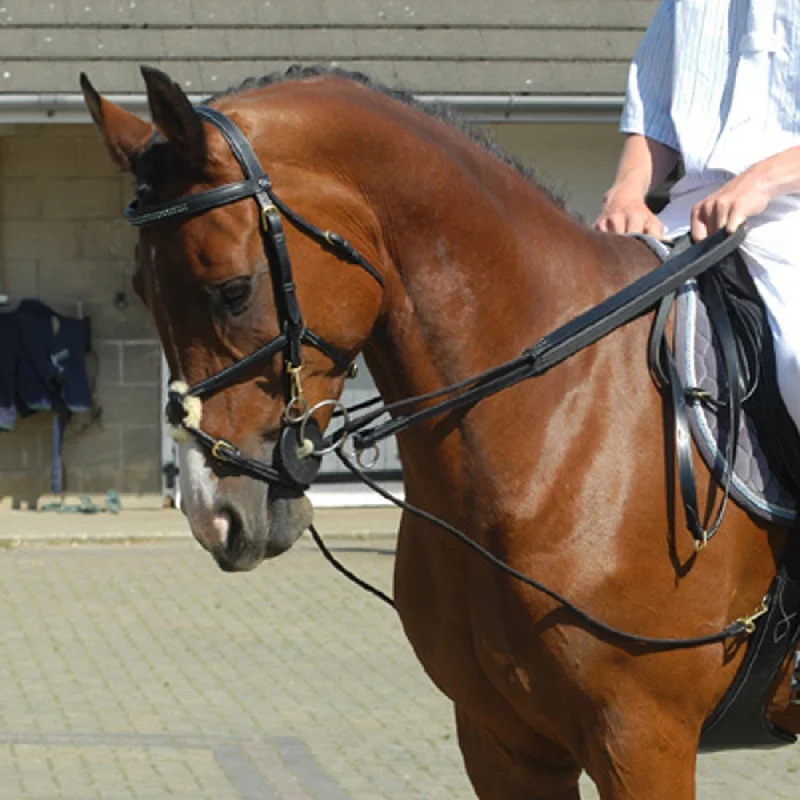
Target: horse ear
124,133
174,114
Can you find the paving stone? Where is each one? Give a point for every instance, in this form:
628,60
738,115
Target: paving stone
142,671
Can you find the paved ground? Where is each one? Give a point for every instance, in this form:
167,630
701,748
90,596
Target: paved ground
135,669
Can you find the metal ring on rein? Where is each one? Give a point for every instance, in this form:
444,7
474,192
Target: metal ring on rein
360,455
343,435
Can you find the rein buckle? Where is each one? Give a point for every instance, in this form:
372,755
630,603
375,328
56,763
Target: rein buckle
222,450
265,214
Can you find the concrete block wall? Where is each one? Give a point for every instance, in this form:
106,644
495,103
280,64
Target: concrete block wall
64,241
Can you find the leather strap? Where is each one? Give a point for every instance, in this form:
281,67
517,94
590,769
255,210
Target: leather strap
193,204
225,377
740,719
550,350
665,373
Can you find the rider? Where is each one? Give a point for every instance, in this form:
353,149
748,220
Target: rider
716,84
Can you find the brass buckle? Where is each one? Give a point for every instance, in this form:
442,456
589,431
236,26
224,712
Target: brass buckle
295,383
222,450
294,378
749,622
297,407
265,212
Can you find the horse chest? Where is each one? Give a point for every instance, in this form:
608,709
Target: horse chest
459,626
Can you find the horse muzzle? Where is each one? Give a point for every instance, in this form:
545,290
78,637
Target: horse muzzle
244,541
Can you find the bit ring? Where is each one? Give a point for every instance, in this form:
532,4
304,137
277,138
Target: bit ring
341,435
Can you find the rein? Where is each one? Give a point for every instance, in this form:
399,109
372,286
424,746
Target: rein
577,334
301,443
740,627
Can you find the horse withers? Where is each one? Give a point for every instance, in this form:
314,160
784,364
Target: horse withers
333,217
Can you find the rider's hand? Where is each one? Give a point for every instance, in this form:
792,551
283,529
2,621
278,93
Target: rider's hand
628,213
742,197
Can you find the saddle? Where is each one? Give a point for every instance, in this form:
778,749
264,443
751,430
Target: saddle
765,473
723,388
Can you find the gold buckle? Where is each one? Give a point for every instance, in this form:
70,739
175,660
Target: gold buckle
222,450
297,407
296,385
265,212
749,622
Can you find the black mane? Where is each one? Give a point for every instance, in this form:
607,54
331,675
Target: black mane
439,110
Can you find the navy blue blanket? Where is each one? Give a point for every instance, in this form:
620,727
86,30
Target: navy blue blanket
42,362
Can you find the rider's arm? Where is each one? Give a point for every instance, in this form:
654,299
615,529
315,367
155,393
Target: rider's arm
644,164
748,194
651,149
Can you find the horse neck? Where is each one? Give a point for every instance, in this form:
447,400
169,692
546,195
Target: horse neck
484,263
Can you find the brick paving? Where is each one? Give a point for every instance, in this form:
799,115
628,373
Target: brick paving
138,670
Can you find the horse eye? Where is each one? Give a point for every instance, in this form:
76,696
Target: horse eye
235,294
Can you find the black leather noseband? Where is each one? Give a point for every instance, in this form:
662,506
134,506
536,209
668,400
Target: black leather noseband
297,458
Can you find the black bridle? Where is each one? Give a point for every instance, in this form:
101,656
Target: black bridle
300,445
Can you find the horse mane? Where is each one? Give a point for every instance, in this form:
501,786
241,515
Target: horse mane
440,111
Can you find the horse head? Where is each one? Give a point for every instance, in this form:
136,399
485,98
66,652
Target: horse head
227,271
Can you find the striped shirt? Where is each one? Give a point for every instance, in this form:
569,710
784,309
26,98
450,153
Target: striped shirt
718,81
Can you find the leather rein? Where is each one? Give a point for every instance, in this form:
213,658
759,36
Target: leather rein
301,443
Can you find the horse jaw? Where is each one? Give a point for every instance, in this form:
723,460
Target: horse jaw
239,521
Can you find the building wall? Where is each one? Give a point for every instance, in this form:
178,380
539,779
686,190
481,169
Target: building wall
63,240
541,47
576,161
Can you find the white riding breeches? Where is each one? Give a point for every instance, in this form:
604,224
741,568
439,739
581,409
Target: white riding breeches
772,254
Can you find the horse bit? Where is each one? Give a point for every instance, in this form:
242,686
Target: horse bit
301,445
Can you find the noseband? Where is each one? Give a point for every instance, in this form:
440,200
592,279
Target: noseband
300,446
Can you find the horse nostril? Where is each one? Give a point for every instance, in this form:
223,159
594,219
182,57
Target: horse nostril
222,525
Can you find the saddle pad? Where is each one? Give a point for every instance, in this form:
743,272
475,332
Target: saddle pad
753,485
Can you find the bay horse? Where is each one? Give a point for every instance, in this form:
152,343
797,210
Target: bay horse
567,477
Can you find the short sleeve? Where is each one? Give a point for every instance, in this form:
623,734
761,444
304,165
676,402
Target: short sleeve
648,97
